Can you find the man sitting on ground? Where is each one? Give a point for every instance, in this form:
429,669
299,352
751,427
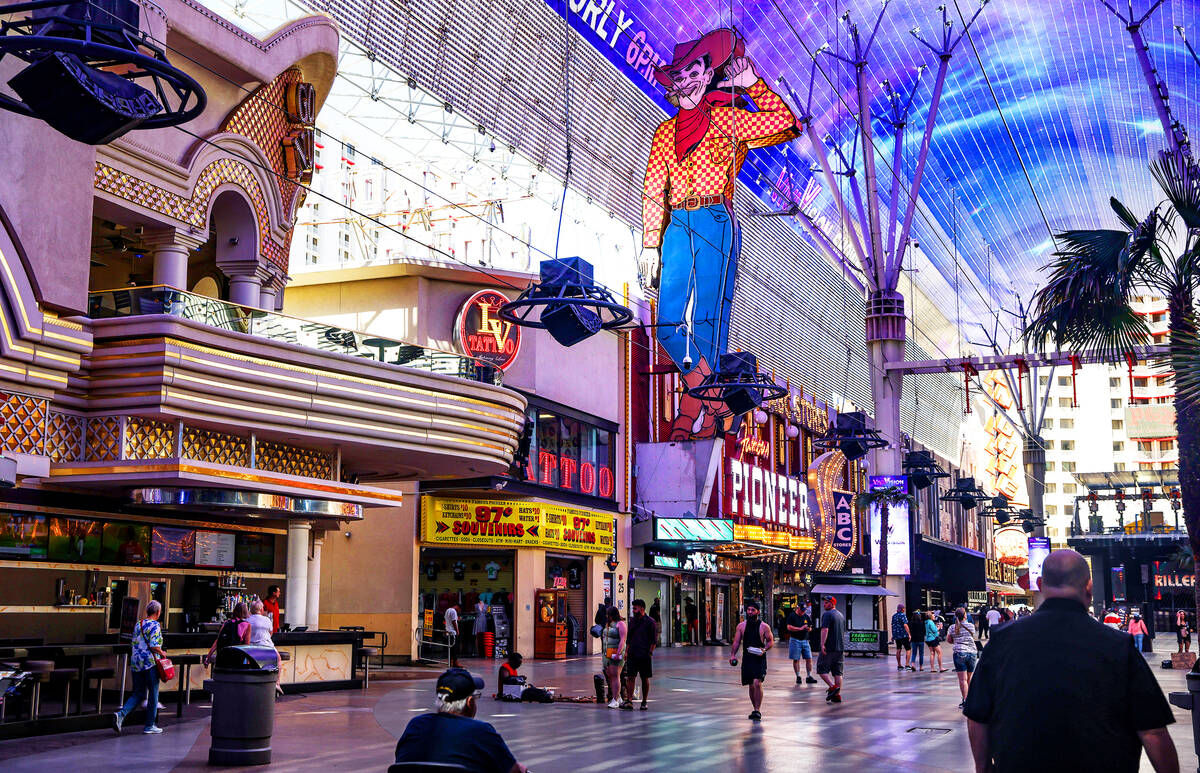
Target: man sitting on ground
451,733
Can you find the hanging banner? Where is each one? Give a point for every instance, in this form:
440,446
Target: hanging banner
1039,548
515,524
897,530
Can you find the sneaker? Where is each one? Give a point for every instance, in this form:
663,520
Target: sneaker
626,706
118,720
810,680
963,704
755,716
910,668
644,706
154,730
613,704
799,680
836,698
829,691
899,668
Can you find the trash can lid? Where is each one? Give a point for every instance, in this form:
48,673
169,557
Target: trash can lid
242,657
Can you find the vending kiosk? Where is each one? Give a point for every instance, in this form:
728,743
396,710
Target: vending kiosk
503,631
550,624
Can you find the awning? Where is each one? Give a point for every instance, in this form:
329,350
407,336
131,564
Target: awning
1006,588
852,590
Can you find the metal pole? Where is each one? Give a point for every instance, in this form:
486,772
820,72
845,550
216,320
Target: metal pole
868,146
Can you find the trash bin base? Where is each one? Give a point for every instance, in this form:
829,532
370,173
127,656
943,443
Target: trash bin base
239,756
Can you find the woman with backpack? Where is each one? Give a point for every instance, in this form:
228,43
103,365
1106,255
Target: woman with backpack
933,641
234,631
966,654
614,654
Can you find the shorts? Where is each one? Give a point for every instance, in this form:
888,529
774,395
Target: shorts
753,667
965,661
1182,638
831,663
636,666
904,643
799,649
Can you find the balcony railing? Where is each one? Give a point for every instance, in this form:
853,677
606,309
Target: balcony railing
162,300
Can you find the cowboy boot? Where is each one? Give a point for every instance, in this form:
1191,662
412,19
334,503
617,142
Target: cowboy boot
696,418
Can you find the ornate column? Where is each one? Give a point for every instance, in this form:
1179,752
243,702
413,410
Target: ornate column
172,248
272,288
296,601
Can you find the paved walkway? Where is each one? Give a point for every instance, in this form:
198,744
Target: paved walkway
696,722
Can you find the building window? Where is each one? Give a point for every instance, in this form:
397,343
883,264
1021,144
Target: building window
1069,488
1118,424
1067,424
1051,509
1115,403
1140,382
1114,383
1068,509
1051,488
1167,445
1043,380
1067,445
1145,446
1048,424
1118,445
1065,402
1049,445
1049,466
1119,467
1068,466
1064,381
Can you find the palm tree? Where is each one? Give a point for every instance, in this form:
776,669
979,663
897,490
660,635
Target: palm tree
885,497
1085,305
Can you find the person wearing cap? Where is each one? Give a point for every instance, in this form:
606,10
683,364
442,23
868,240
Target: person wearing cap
451,734
833,649
754,636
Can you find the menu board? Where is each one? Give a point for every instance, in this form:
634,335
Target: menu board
214,548
22,535
174,547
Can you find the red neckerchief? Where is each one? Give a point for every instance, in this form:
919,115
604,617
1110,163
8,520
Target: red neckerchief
691,125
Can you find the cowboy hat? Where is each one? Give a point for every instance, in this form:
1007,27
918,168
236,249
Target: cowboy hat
719,46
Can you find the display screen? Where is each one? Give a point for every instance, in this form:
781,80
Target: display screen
22,535
74,539
255,552
172,547
125,543
215,548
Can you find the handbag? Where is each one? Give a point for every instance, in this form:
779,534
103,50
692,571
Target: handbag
162,666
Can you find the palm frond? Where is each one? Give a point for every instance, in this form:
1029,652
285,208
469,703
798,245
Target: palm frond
1185,361
1179,177
1085,303
1123,212
892,495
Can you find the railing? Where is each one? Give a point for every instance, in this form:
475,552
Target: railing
162,300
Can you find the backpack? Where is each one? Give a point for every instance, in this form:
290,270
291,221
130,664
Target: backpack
228,636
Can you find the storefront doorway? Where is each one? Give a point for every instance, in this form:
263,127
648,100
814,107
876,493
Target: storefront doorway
570,573
466,576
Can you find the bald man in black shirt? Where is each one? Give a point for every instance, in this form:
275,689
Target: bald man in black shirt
1059,691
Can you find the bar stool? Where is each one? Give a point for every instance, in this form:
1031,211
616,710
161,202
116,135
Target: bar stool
364,654
99,673
40,669
66,676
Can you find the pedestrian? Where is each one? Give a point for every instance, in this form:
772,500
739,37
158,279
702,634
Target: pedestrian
145,649
1060,691
656,614
271,607
692,613
833,646
981,620
615,641
916,629
754,637
993,620
799,627
451,735
1183,632
260,634
902,638
480,627
1137,628
234,631
451,618
933,641
642,639
961,636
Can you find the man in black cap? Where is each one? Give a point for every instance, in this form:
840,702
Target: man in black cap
451,734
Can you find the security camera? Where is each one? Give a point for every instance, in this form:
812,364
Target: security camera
687,361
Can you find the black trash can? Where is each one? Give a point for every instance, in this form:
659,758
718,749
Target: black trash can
243,712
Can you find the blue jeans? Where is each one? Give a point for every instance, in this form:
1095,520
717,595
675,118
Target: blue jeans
145,685
1137,641
918,654
699,265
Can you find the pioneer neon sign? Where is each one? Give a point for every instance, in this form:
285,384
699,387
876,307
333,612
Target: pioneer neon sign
767,496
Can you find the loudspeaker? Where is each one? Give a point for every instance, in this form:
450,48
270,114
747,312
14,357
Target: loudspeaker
568,323
853,449
87,105
852,423
566,271
742,399
736,364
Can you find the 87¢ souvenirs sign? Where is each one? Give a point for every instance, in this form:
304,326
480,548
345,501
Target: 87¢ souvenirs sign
516,524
